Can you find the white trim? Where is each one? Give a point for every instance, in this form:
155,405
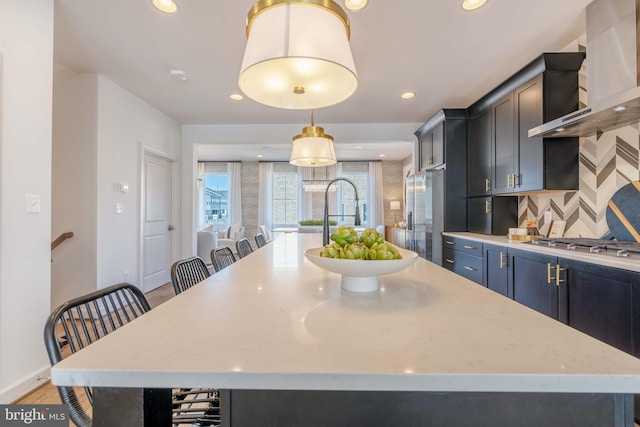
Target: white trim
25,385
144,150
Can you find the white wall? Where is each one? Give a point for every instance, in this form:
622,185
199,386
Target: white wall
100,130
26,55
74,201
125,124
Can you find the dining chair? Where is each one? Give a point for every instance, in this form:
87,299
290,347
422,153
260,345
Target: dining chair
264,230
187,272
222,257
243,247
81,321
260,240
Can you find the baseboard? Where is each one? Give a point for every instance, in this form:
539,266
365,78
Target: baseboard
24,386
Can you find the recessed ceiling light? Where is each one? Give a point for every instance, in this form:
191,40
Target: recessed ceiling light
473,4
236,97
259,156
619,108
560,130
358,147
178,75
408,95
381,155
355,5
168,6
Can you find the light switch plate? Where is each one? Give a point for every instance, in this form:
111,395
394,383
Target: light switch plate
32,203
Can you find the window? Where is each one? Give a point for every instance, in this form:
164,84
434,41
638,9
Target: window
361,180
285,199
216,198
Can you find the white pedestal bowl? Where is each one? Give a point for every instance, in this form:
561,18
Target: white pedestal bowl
361,275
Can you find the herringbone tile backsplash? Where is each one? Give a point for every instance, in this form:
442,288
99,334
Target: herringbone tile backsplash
608,161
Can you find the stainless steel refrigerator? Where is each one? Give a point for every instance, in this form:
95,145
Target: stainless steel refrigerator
436,196
423,234
415,200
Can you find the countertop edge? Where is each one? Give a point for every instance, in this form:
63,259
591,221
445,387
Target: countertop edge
607,261
445,382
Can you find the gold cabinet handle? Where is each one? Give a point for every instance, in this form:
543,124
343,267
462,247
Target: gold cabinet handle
558,270
450,261
548,273
449,242
469,247
486,207
509,181
470,268
513,180
502,263
487,184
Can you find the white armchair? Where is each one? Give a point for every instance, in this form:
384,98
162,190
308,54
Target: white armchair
207,241
230,236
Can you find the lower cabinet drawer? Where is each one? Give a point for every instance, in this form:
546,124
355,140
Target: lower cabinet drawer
457,244
466,265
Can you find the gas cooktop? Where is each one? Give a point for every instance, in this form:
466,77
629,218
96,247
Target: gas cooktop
606,247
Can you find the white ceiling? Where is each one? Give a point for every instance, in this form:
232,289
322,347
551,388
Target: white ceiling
447,56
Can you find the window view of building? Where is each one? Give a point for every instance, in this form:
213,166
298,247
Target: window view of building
216,198
285,199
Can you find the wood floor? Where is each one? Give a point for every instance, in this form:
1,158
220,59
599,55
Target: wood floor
48,394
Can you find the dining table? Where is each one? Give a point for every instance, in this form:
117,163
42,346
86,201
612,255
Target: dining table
286,345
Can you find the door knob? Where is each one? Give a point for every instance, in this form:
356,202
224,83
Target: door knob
171,228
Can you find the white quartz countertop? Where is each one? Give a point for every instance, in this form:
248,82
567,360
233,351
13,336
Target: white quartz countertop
632,263
273,320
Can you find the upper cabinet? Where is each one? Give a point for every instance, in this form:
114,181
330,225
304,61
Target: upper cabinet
436,135
479,155
545,89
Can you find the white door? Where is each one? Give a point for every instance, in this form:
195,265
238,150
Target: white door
156,222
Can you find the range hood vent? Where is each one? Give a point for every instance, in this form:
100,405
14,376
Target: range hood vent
612,73
611,113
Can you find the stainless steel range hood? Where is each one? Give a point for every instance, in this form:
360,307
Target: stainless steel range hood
612,73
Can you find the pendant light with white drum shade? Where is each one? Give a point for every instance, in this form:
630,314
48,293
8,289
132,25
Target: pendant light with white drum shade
313,148
298,54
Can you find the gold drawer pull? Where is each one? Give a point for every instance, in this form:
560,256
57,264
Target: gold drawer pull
558,270
449,242
502,263
487,184
450,261
486,207
470,268
469,247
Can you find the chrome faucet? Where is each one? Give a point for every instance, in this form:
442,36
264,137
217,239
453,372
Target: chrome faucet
325,222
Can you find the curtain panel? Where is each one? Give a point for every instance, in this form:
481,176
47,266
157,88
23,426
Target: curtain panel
265,194
375,196
234,169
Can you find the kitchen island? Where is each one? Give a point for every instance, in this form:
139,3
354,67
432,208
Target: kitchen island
289,347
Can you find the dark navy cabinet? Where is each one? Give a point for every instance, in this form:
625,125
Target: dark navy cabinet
496,268
464,257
